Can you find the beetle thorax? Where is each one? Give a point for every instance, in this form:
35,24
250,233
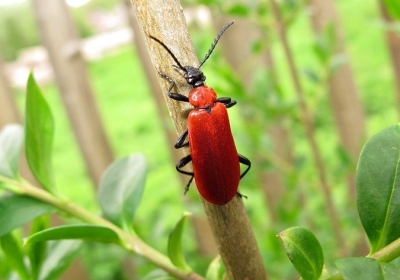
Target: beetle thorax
202,97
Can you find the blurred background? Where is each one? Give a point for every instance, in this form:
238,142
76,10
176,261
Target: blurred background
314,79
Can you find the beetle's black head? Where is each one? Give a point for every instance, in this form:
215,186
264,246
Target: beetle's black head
194,76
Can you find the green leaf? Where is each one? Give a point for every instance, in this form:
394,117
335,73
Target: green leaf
18,210
39,131
238,10
304,251
367,269
14,255
121,189
378,188
214,269
11,137
60,255
37,251
158,274
175,250
84,232
393,8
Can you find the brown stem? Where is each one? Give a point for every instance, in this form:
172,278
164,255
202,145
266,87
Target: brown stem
309,127
164,19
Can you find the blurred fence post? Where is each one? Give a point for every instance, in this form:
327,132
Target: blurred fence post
9,112
393,42
60,37
346,107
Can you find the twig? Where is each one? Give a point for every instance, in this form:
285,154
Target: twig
230,224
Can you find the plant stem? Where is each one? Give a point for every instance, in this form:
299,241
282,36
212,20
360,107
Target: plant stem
131,243
230,224
388,253
309,128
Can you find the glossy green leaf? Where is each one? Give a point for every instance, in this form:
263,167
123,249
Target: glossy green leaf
11,138
60,255
14,255
39,131
37,251
175,250
214,269
304,251
367,269
121,189
84,232
18,210
378,187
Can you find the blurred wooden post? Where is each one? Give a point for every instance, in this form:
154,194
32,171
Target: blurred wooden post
346,107
206,242
63,45
393,41
9,111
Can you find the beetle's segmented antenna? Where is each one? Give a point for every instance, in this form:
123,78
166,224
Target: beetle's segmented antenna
170,52
215,43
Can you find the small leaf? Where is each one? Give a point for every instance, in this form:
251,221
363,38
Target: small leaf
158,274
378,188
39,131
60,255
14,255
393,8
175,251
238,10
304,251
214,269
18,210
84,232
11,137
121,189
37,251
312,75
367,269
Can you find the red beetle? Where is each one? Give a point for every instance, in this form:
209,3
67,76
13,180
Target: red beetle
214,156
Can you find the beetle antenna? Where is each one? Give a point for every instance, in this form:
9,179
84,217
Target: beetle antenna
214,44
170,52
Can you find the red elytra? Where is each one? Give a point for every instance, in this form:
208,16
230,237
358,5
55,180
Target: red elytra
214,156
213,152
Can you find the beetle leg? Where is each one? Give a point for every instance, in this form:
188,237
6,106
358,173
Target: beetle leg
181,164
245,161
240,195
179,143
173,95
227,101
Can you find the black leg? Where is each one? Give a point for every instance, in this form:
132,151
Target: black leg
181,164
245,161
173,95
241,195
228,103
179,143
